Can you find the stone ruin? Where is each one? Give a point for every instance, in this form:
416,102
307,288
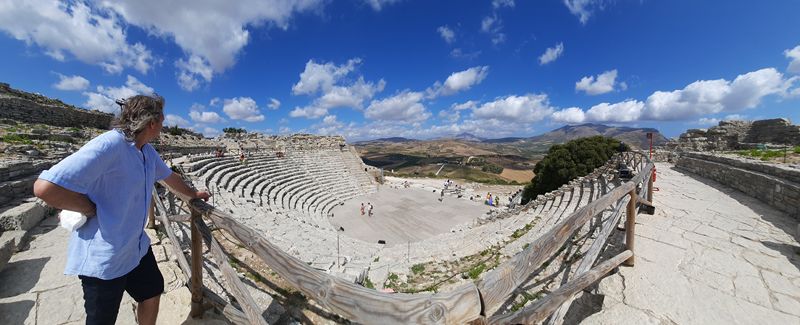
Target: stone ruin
739,135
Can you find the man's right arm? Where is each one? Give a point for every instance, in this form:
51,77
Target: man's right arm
62,198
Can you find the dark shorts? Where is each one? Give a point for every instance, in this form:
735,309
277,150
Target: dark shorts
101,298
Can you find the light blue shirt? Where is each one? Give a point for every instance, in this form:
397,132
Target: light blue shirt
119,179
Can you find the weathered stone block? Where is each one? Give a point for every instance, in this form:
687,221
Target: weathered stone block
22,217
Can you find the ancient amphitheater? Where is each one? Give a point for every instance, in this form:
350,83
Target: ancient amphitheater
285,241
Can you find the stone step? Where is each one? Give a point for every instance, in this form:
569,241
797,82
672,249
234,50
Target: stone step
24,216
18,188
8,245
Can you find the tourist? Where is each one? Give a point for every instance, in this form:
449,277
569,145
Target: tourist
370,209
110,180
362,208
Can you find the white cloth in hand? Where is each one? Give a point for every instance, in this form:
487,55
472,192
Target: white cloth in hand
71,220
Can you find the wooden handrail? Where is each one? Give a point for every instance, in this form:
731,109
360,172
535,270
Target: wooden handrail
237,288
541,309
467,302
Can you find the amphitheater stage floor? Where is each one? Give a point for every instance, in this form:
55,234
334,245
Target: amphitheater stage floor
402,215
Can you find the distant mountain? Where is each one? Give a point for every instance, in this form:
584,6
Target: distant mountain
391,139
469,137
503,140
636,137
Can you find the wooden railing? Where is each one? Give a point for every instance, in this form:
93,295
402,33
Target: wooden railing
477,302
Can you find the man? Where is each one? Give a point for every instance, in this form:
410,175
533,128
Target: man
110,180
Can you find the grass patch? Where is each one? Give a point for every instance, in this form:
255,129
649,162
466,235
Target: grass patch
476,271
368,283
16,138
521,231
524,300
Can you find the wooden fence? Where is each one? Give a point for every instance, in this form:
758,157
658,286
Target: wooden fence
468,303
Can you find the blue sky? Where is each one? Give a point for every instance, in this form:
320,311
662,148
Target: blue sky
367,69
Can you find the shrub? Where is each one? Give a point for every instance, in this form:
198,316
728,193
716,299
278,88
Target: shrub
418,268
234,130
568,161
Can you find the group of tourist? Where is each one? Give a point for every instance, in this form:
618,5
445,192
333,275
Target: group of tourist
492,200
368,207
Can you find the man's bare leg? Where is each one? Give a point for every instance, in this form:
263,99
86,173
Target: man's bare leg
147,311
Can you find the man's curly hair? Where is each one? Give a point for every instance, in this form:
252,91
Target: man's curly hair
137,112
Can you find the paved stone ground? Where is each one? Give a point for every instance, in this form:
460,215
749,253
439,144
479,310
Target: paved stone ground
404,215
710,255
34,289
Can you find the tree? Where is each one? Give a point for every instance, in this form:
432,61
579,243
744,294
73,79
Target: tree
234,130
565,162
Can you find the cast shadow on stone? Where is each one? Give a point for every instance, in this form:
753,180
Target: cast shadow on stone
16,312
26,274
792,252
777,218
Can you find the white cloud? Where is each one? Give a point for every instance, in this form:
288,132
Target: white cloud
449,116
213,31
189,71
448,35
71,82
493,26
458,81
551,54
214,101
708,121
470,104
523,109
705,97
210,132
104,98
274,104
242,108
377,5
502,3
325,79
403,107
572,115
93,37
583,8
172,120
205,117
310,112
625,111
321,77
460,54
604,83
794,56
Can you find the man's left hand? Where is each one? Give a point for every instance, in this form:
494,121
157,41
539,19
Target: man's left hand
202,195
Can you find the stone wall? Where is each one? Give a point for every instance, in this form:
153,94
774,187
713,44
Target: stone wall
776,185
735,135
32,108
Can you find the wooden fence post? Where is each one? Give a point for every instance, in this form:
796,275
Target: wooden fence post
197,268
630,226
650,185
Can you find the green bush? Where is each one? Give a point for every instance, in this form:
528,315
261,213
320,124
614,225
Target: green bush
491,168
568,161
234,130
417,268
